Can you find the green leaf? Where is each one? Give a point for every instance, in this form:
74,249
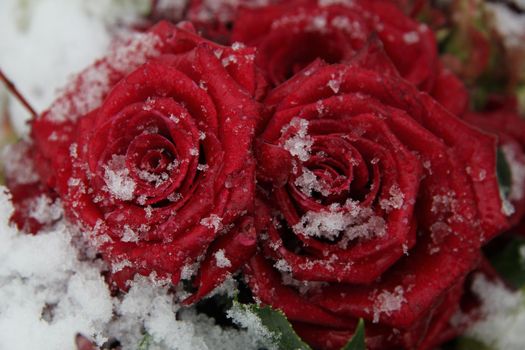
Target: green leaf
466,343
145,342
504,173
509,262
358,339
520,94
277,324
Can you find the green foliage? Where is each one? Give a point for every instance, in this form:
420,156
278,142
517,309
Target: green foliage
466,343
145,342
358,340
277,323
504,173
510,264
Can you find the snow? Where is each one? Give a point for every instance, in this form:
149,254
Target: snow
335,83
250,321
387,302
308,182
45,210
149,306
318,23
228,287
17,166
221,10
156,179
282,265
49,292
65,36
300,143
189,270
88,89
395,201
213,221
304,287
509,24
237,46
129,235
348,222
503,323
215,337
411,37
88,95
41,273
444,203
323,3
517,169
506,206
221,259
118,180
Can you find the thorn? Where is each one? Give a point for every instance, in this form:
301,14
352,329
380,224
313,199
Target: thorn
12,88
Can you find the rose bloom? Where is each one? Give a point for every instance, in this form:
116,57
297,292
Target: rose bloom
214,18
501,118
292,34
149,151
373,203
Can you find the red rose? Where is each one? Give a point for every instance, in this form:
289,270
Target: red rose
214,18
374,202
503,120
291,35
37,205
151,155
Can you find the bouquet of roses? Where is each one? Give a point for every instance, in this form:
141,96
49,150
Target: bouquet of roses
320,155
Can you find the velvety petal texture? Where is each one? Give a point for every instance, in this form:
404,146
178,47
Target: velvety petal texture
501,118
159,175
373,203
322,154
291,34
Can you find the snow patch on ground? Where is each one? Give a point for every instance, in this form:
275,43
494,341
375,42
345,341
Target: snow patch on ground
45,41
503,324
48,295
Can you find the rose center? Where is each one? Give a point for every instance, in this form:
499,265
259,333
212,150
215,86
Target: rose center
156,161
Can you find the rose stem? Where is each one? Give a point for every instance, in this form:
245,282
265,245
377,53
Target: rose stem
12,88
153,10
